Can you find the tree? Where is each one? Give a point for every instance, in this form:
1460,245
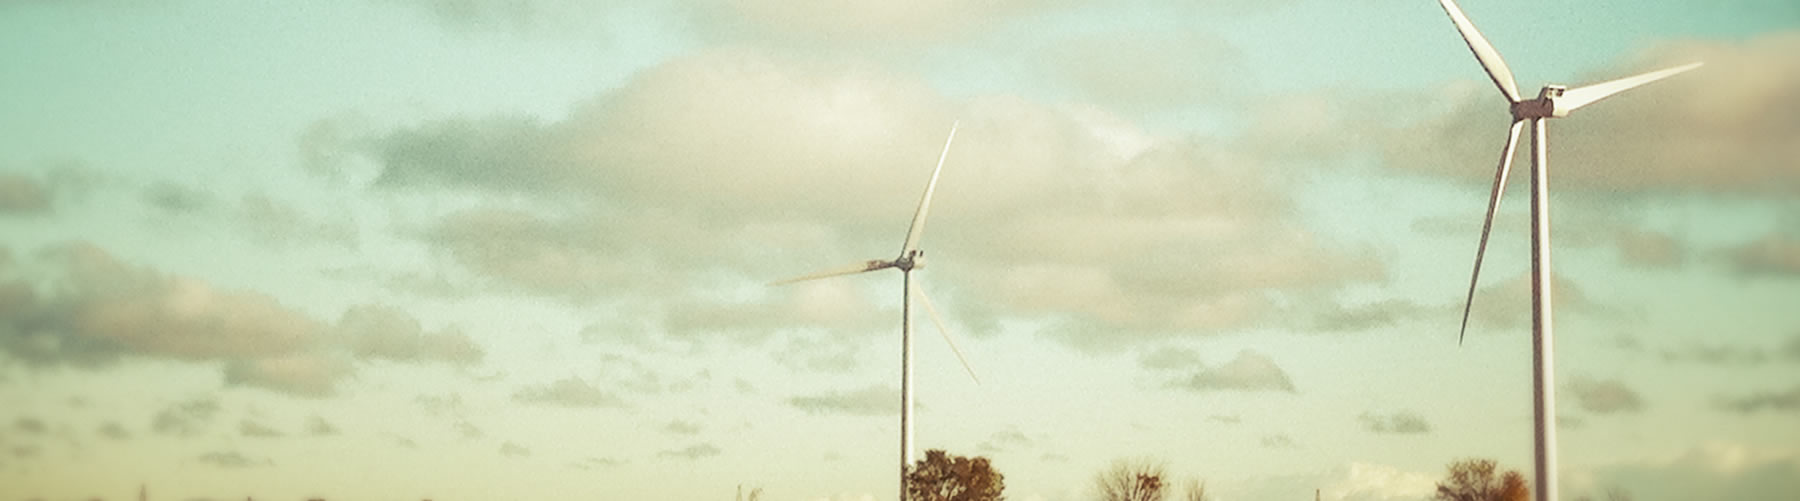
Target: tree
1196,490
1474,480
1132,480
943,477
1612,494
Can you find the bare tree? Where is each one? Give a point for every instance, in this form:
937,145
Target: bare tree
1132,480
1196,490
1475,480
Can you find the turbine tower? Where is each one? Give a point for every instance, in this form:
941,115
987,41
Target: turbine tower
911,258
1554,101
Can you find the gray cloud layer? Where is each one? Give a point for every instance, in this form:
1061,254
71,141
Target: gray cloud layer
677,178
89,309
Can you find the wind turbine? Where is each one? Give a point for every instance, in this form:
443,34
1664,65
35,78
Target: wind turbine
911,258
1554,101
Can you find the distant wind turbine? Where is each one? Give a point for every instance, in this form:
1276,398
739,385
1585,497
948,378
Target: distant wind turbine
911,258
1554,101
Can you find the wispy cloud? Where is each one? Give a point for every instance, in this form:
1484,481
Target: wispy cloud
692,452
680,427
254,429
1775,400
567,392
1774,255
1005,440
112,430
233,459
1399,423
185,419
873,400
318,427
22,195
1279,441
1605,396
1249,371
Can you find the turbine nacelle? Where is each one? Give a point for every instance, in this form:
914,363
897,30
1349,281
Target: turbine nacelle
909,261
1547,105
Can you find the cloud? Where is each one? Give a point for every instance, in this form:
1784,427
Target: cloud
859,22
233,459
22,195
824,352
674,184
1249,371
1605,396
1720,354
1005,440
308,374
567,392
514,450
1733,115
1279,441
1649,249
30,426
1169,357
388,333
82,306
592,463
1144,70
279,224
254,429
185,419
111,306
112,430
1384,313
256,216
1778,401
1775,255
874,400
1399,423
680,427
1506,305
526,18
176,198
692,452
318,427
1714,470
1375,482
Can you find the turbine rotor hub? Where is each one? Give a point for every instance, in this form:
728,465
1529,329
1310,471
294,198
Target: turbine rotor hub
911,260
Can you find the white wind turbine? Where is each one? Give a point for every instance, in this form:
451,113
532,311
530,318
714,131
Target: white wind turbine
911,258
1554,101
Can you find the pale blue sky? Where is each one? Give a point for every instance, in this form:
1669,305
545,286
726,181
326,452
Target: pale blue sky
460,250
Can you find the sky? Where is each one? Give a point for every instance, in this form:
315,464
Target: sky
452,249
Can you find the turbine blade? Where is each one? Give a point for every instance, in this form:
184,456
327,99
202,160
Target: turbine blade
1506,155
865,266
918,222
1484,52
1586,95
939,321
